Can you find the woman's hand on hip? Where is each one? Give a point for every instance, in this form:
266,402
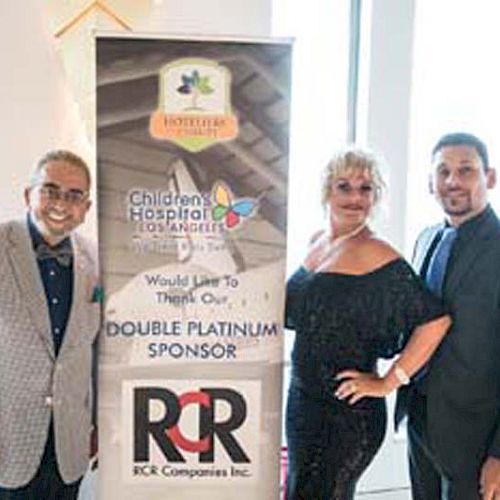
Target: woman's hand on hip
356,385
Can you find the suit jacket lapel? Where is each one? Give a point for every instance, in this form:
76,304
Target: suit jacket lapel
28,279
81,295
469,253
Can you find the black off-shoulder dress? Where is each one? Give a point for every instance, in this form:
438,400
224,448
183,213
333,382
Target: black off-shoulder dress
343,321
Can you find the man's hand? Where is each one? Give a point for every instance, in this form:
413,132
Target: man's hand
490,479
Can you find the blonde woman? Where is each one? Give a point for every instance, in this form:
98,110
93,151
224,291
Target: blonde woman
354,300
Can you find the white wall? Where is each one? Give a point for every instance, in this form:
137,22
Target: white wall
210,17
37,109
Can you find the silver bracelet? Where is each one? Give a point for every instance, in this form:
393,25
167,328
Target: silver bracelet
401,375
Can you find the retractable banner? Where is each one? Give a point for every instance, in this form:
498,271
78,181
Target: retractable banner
192,151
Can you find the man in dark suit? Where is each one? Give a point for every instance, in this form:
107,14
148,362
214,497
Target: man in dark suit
454,408
49,319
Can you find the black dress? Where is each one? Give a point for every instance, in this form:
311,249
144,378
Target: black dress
343,321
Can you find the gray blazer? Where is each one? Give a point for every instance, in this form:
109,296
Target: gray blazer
34,382
463,381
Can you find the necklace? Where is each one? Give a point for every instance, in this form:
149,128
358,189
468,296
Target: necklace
338,241
318,261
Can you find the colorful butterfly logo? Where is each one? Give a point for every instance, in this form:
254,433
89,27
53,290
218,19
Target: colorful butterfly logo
226,208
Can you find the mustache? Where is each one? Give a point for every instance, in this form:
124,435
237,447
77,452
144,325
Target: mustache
455,191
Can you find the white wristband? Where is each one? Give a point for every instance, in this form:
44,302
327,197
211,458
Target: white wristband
401,375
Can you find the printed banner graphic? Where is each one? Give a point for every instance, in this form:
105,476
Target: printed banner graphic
195,105
190,431
192,152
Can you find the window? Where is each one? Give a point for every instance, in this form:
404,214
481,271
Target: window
455,88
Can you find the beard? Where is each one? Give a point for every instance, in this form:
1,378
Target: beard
456,203
457,208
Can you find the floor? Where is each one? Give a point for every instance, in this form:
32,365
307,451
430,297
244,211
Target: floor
402,494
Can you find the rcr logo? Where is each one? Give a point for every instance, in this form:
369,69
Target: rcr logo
167,433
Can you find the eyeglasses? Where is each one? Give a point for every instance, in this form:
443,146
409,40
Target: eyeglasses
52,192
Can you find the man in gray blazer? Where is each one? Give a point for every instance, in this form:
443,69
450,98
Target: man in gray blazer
49,318
454,408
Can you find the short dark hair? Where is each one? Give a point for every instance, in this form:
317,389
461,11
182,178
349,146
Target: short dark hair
464,139
60,155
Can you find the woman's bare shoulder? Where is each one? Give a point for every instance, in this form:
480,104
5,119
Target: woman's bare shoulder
380,251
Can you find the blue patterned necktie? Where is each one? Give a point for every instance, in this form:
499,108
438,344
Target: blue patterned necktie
439,260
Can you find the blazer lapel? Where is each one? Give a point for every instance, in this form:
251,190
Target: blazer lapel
469,253
28,279
81,295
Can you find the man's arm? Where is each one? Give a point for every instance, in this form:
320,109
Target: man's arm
490,471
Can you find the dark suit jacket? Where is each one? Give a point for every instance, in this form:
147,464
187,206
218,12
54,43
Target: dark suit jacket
463,380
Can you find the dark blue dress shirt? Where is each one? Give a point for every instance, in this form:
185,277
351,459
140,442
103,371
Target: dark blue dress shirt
57,282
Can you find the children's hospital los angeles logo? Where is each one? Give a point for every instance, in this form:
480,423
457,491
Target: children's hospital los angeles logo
195,105
180,430
162,214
